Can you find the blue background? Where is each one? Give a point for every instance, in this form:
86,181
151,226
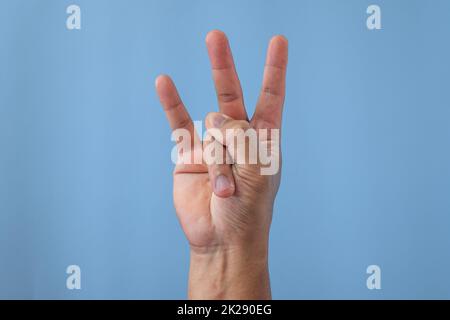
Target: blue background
85,170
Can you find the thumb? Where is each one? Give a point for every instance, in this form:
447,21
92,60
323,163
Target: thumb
237,136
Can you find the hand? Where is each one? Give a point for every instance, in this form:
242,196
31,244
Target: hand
226,210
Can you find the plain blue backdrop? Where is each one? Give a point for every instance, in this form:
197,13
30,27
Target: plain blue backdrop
85,170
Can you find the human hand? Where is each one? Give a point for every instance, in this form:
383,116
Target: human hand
226,210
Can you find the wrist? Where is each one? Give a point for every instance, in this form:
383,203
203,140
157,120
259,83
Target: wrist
230,273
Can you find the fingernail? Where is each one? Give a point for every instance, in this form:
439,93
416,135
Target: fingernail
218,120
222,184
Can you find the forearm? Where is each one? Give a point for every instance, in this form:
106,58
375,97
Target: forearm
233,273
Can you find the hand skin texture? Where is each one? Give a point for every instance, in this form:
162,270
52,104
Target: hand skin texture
226,210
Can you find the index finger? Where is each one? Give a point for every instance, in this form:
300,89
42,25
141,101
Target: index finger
175,111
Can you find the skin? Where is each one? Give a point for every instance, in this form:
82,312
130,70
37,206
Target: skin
226,210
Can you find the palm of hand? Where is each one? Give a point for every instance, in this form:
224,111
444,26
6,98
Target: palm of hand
209,220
